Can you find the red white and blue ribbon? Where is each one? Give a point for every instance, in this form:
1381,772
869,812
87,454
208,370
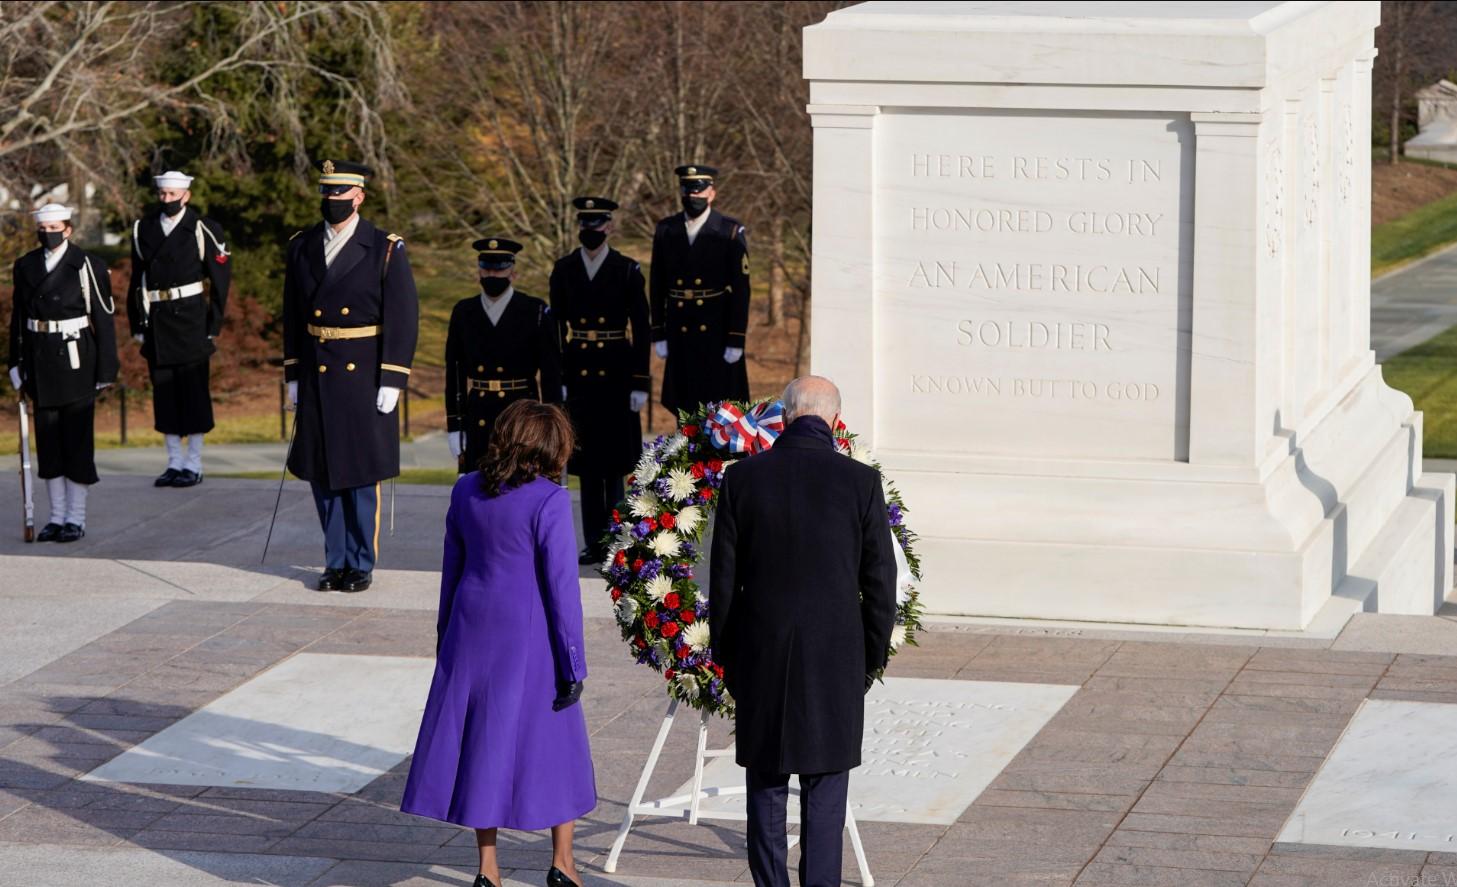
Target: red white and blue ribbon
750,432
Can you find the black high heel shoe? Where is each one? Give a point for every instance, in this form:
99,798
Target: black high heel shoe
482,881
555,878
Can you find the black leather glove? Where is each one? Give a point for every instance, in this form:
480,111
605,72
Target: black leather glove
567,695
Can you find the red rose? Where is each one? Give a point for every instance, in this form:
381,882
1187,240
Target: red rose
616,594
683,651
716,465
637,565
620,559
667,521
698,470
687,616
652,525
718,670
669,674
670,629
650,620
706,495
638,642
616,518
671,599
690,430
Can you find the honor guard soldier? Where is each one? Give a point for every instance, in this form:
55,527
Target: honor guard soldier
175,302
600,301
351,318
700,298
501,347
62,351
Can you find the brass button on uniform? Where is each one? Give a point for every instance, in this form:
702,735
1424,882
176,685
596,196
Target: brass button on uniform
323,369
343,310
697,280
601,344
700,301
680,304
500,394
481,423
583,320
601,320
703,328
481,368
584,372
685,329
601,372
349,366
500,369
680,281
318,312
584,346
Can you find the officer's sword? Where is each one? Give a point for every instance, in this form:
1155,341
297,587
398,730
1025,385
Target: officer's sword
286,453
27,487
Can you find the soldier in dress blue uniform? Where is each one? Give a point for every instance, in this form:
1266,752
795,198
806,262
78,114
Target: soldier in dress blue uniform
599,298
62,351
350,322
175,303
700,297
501,347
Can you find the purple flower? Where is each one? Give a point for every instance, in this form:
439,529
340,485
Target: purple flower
689,550
896,518
650,569
680,571
663,488
641,530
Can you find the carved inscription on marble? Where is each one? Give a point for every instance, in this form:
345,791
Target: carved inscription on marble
1030,271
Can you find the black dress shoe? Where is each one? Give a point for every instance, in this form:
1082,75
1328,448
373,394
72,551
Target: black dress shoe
167,478
555,878
70,533
332,580
187,478
482,881
49,533
355,580
588,556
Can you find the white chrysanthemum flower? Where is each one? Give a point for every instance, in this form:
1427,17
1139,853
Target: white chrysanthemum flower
647,467
626,610
645,505
681,484
675,445
897,637
689,518
696,635
665,543
688,683
861,454
658,587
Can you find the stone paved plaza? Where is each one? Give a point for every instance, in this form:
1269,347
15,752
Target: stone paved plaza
1152,757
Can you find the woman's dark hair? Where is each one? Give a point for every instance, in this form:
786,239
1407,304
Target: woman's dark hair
530,440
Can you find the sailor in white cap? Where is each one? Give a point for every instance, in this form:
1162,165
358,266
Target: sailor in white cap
175,303
62,351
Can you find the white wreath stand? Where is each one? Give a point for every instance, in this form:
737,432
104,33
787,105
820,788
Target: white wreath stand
637,807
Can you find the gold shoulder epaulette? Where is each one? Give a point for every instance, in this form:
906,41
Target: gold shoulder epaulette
394,238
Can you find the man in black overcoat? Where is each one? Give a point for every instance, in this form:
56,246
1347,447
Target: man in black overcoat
175,304
601,306
801,608
501,347
62,352
699,289
350,322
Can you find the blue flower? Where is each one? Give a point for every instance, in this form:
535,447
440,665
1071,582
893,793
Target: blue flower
650,569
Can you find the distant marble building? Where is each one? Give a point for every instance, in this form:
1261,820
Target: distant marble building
1436,138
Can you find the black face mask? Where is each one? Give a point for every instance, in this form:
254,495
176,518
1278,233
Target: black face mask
336,211
694,205
495,286
50,239
170,207
592,237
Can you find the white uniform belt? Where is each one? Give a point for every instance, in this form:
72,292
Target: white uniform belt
176,292
67,327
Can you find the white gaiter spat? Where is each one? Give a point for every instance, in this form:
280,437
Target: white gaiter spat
193,462
56,488
174,452
76,504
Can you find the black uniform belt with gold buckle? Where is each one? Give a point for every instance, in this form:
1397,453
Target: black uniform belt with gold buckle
691,295
596,335
499,386
327,333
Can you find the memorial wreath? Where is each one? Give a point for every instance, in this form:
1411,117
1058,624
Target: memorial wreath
656,535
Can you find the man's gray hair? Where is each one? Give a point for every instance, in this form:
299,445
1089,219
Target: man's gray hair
811,396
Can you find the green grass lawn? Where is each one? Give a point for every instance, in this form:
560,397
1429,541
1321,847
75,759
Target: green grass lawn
1428,373
1416,234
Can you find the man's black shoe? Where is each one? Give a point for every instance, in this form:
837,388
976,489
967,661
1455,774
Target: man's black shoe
332,580
588,556
355,580
187,478
167,478
70,533
49,533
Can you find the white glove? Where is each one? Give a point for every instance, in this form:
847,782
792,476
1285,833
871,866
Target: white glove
15,378
141,338
456,440
293,395
732,355
386,399
637,400
661,348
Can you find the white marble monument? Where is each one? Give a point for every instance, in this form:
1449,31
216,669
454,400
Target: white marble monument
1094,281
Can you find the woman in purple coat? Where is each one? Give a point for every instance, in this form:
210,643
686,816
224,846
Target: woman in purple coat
503,743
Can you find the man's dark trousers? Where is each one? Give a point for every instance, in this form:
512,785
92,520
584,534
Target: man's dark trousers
822,798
